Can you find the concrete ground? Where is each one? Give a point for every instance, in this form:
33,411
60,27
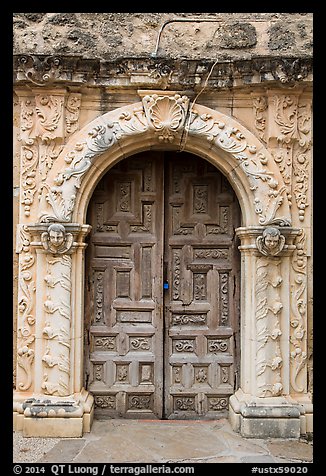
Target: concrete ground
155,441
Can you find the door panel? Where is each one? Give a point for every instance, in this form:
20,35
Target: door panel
151,353
201,214
125,290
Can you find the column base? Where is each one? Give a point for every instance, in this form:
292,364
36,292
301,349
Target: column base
53,417
275,417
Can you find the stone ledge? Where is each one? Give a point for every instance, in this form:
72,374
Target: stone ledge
53,427
153,73
270,428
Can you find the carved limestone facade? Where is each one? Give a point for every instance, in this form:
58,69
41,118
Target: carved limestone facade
68,136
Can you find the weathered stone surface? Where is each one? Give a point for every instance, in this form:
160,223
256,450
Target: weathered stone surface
270,428
105,35
62,19
291,450
63,452
237,35
257,459
281,38
121,441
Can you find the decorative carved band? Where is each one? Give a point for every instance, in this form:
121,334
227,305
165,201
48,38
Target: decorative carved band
166,116
298,321
57,330
268,331
26,301
44,70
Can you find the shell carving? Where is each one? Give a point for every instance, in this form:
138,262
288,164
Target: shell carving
166,114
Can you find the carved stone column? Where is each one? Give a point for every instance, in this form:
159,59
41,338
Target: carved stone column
262,406
58,391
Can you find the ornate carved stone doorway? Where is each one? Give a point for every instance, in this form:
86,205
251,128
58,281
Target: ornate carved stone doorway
272,399
162,289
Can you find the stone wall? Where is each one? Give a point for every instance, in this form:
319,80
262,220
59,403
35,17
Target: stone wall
256,68
112,35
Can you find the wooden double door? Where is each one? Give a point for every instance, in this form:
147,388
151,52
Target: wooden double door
162,289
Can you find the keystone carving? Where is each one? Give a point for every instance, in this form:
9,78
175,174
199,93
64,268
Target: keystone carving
166,114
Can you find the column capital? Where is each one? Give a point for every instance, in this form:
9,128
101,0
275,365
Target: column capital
270,241
58,238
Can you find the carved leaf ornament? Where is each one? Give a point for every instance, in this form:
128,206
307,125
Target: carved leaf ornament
168,117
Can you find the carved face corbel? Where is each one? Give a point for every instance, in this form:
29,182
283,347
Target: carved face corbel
271,242
56,240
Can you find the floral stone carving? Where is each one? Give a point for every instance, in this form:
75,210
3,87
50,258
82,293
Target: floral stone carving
165,117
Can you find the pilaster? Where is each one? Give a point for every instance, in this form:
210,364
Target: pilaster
57,390
263,406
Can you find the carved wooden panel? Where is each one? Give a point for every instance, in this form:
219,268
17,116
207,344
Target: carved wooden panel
123,300
201,213
162,216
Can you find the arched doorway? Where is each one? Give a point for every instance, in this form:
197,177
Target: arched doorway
267,402
162,289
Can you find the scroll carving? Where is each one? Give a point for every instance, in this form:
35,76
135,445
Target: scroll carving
166,117
253,163
176,289
26,319
260,107
185,403
293,121
42,135
185,345
224,298
40,70
72,113
138,402
57,330
140,343
217,345
298,327
49,114
105,401
29,159
218,403
268,332
186,319
107,343
301,155
99,297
